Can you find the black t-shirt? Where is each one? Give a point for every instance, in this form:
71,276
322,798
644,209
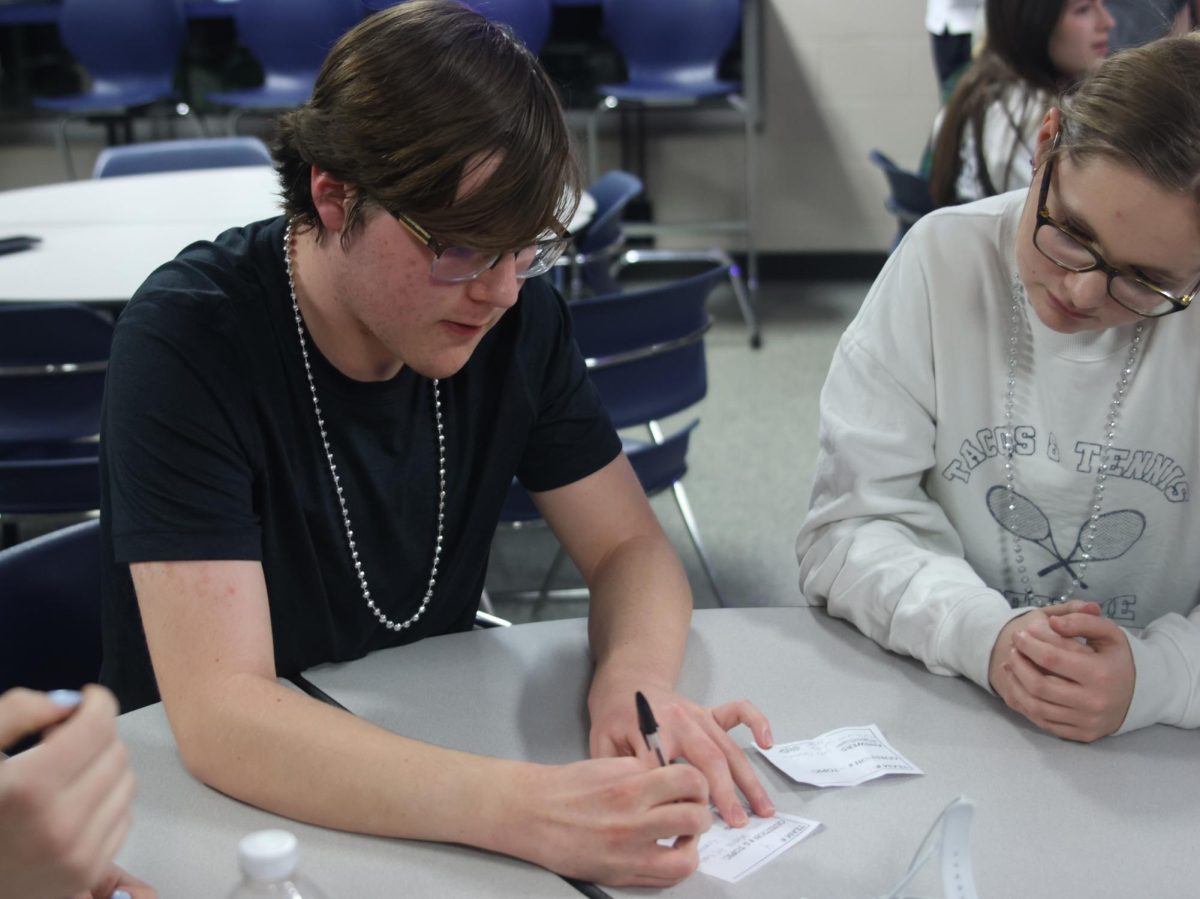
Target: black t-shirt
210,450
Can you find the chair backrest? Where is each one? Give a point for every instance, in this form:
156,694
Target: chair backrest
612,192
52,362
910,198
529,19
178,155
645,348
672,42
50,610
291,38
124,43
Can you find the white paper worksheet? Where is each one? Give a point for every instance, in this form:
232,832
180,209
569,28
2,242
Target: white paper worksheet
730,853
840,758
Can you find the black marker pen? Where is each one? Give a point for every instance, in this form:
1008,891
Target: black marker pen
649,727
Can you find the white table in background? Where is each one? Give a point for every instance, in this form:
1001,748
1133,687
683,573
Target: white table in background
100,238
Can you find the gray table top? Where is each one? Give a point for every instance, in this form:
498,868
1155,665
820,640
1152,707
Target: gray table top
1054,819
185,835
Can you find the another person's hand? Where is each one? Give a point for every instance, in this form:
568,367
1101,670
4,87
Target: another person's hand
116,883
1075,690
601,820
65,804
1036,619
1077,696
689,731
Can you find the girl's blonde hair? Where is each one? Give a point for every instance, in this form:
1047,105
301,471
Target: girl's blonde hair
1140,108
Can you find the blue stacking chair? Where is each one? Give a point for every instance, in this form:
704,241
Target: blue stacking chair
52,363
50,610
180,155
130,49
908,194
672,49
529,19
597,246
645,354
290,39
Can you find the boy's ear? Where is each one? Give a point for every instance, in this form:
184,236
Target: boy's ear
331,197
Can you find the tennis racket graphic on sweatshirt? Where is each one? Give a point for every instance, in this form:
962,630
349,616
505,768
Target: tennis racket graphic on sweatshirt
1116,532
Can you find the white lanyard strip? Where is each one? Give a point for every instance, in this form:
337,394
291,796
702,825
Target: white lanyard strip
954,842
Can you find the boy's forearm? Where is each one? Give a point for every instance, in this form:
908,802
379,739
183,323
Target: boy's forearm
640,613
285,752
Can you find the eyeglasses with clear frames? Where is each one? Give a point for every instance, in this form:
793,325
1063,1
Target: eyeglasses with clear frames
457,264
1057,243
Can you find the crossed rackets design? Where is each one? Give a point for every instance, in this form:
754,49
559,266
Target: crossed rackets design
1116,532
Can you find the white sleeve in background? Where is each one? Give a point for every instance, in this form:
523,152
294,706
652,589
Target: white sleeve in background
874,547
955,16
1166,659
1009,134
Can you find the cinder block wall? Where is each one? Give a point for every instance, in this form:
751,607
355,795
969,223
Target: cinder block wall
839,78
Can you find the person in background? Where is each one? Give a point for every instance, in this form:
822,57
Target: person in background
310,427
951,25
66,803
983,138
1142,21
1009,429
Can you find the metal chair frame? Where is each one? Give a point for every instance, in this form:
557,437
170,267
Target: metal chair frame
130,88
908,194
180,155
519,500
603,239
50,464
746,293
289,67
50,610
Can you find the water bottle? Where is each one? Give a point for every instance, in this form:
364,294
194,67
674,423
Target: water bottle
268,860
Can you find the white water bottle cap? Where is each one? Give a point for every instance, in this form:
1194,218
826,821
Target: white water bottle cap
268,855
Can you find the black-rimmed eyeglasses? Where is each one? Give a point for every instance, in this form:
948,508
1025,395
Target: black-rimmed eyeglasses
1067,250
456,264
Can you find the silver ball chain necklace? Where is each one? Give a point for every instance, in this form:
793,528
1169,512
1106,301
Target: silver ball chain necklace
1008,446
389,623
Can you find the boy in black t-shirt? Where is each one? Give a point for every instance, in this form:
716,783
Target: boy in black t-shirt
309,430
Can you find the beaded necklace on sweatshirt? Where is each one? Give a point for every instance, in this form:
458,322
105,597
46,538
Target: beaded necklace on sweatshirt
1008,445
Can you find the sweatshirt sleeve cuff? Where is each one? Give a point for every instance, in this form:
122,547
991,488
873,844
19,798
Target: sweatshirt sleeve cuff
1159,671
969,633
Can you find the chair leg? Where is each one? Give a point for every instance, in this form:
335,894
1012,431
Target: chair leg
689,521
186,111
485,602
743,295
739,103
487,620
576,279
551,573
64,147
593,136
